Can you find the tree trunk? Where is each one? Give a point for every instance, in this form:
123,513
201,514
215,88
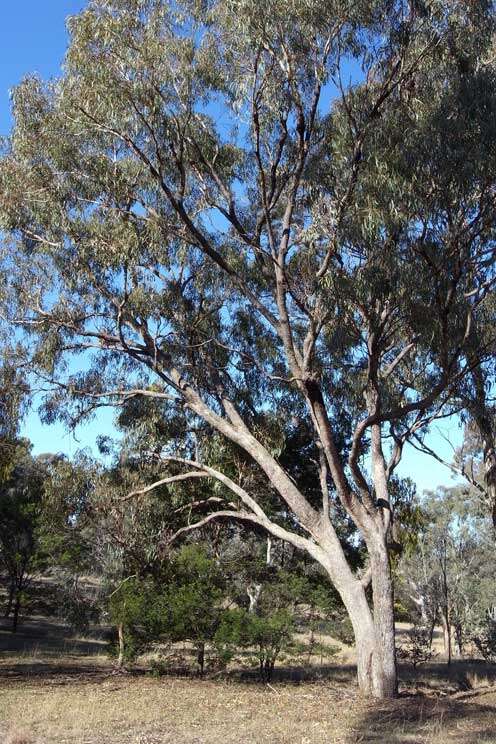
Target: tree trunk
268,553
120,633
253,592
374,638
490,474
15,617
459,638
374,631
10,600
200,658
376,666
446,635
383,599
484,419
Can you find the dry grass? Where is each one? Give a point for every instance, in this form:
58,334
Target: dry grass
425,720
146,711
55,689
141,710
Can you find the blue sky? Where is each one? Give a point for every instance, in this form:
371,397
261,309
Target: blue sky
33,39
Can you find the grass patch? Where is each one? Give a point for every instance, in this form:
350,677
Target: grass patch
58,689
140,710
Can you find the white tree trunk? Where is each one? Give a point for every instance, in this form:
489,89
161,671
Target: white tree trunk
120,633
373,628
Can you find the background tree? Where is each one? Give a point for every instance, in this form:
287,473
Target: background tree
21,510
13,402
448,577
194,599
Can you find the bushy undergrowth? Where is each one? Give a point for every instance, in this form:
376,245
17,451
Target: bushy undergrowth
484,638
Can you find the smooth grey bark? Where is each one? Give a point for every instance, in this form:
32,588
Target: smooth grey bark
374,639
385,684
253,592
489,460
120,634
373,627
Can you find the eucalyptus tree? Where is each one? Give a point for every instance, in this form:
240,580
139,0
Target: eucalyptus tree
259,214
479,468
22,550
449,577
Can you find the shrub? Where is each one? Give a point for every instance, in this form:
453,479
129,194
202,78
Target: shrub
484,638
265,637
341,629
417,650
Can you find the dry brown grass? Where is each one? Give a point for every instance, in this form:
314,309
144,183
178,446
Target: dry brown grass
141,710
55,689
145,711
426,720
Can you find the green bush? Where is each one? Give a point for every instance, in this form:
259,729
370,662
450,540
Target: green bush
184,604
484,639
265,637
128,606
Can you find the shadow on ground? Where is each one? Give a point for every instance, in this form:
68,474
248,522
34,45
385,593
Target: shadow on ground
47,636
462,674
422,720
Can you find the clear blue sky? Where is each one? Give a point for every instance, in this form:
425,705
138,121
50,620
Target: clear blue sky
33,38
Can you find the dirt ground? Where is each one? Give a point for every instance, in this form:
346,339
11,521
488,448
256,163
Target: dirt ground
58,689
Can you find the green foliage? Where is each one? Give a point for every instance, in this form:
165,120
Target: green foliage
410,517
341,628
189,601
66,500
119,221
13,402
78,609
484,638
418,647
128,607
22,552
450,570
182,603
128,603
192,604
264,637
